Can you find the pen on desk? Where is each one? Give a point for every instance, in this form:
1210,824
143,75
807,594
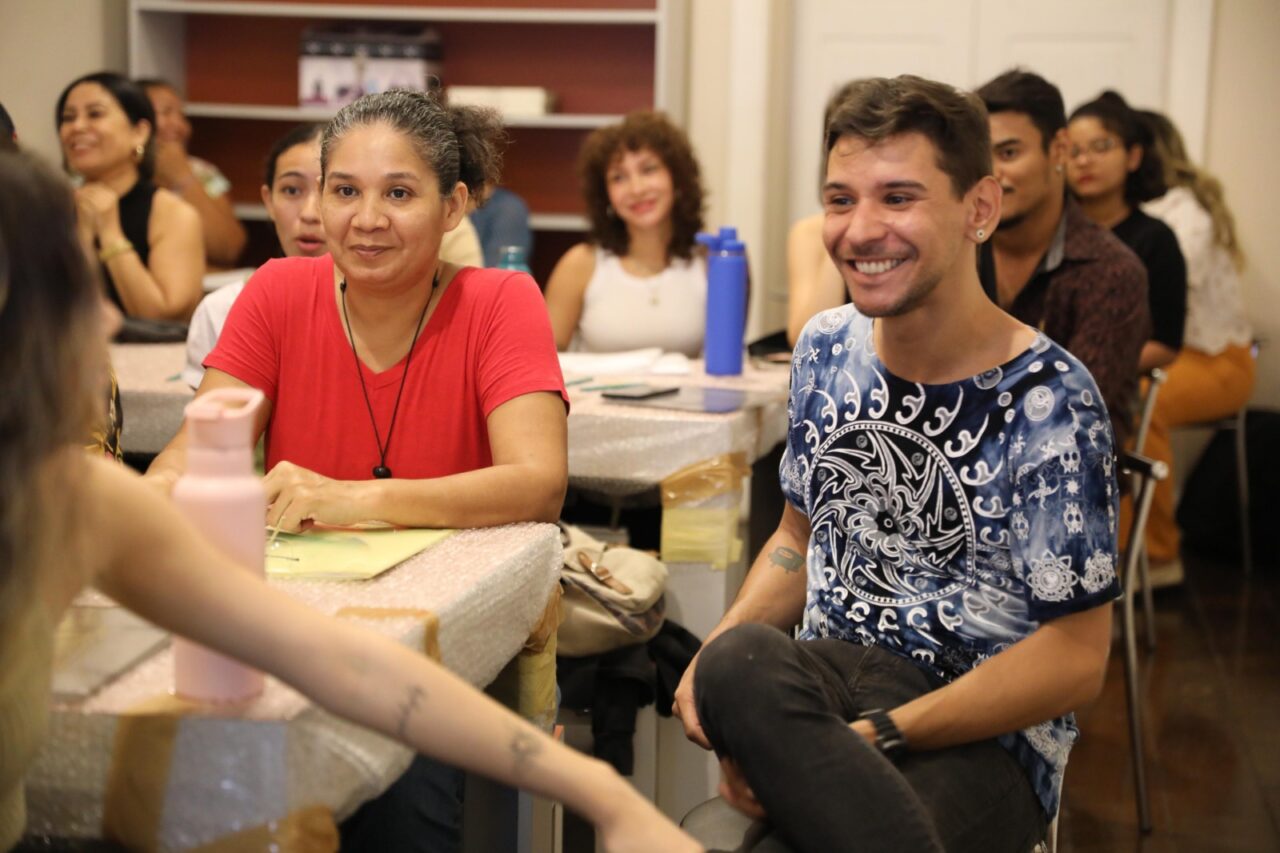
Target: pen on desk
577,381
612,387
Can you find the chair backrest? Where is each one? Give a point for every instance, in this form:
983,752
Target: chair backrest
1155,378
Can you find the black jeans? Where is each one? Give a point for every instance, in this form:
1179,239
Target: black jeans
420,813
781,708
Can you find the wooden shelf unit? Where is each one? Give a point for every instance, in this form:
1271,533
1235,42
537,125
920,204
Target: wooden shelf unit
236,63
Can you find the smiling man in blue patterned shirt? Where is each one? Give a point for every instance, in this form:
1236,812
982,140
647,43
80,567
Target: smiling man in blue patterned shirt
949,541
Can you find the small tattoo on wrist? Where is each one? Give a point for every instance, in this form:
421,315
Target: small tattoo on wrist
524,747
788,559
407,707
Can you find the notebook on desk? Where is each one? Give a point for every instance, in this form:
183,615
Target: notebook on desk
706,400
345,553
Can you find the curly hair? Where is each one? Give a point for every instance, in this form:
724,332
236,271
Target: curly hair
641,130
1114,113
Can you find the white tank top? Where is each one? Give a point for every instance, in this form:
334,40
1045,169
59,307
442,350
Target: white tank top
621,311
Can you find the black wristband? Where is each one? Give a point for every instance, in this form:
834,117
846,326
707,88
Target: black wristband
889,739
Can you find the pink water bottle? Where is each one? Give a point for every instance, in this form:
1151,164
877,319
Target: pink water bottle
222,496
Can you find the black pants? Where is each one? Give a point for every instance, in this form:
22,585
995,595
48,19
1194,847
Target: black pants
781,708
420,813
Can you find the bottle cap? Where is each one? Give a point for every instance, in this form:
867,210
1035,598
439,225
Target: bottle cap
223,419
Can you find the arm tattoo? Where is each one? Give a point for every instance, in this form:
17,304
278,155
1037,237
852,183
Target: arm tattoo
411,701
788,559
524,748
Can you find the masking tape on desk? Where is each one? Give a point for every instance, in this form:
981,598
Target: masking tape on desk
713,480
700,506
307,830
701,536
430,623
527,684
139,776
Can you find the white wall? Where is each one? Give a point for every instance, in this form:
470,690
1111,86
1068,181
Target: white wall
44,45
1242,137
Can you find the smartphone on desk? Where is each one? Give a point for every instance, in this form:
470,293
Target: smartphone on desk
638,392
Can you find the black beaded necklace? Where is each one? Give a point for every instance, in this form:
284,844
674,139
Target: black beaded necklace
381,471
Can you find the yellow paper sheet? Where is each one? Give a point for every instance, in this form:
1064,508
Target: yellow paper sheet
334,554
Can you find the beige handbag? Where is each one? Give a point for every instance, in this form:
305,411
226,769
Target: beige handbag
612,595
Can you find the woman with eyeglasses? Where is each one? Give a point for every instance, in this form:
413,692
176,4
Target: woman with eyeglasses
147,239
1112,169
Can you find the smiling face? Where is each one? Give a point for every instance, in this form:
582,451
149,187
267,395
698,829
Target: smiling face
382,210
893,224
171,121
1098,163
1029,176
97,138
294,201
640,189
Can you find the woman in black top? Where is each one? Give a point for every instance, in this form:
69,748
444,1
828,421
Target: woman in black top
1111,170
147,239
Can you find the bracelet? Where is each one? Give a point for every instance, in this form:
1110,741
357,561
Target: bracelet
889,738
115,250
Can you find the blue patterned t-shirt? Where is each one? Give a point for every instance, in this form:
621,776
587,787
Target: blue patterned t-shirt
950,521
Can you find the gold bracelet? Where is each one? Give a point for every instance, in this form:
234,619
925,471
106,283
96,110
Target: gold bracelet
115,250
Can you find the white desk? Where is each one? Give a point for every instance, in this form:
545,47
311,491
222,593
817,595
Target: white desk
192,778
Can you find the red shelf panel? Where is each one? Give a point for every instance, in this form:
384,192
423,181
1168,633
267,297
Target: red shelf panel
591,69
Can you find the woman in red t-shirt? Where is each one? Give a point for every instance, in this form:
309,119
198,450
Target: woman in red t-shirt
401,388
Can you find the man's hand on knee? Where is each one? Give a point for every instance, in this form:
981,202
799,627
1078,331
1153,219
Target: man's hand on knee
685,709
736,791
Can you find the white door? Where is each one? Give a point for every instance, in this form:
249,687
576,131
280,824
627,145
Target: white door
1154,52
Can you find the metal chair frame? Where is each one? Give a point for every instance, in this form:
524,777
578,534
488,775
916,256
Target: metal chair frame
1146,474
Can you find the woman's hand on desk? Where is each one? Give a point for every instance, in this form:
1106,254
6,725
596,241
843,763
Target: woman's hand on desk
297,497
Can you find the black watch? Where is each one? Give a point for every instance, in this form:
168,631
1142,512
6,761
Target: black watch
889,739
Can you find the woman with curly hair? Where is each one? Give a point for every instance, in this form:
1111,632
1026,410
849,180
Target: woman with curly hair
640,280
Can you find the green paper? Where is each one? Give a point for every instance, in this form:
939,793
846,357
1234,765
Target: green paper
346,554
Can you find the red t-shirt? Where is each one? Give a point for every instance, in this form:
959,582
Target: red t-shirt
488,342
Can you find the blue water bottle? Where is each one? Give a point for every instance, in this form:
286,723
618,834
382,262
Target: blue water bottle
512,258
726,302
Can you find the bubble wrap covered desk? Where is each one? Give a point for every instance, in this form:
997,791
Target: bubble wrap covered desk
613,449
172,779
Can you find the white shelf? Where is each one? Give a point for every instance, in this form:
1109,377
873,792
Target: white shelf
571,121
352,11
537,221
251,212
557,222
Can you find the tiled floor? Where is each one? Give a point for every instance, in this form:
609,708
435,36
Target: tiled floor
1212,694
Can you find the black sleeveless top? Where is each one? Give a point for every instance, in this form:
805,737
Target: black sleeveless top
135,215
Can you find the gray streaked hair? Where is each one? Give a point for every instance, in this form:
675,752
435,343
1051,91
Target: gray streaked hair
457,143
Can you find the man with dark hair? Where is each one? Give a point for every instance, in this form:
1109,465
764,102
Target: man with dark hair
1047,263
948,544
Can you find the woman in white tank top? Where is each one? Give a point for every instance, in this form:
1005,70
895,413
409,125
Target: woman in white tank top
640,280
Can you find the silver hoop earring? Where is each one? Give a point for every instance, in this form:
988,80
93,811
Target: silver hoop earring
982,235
